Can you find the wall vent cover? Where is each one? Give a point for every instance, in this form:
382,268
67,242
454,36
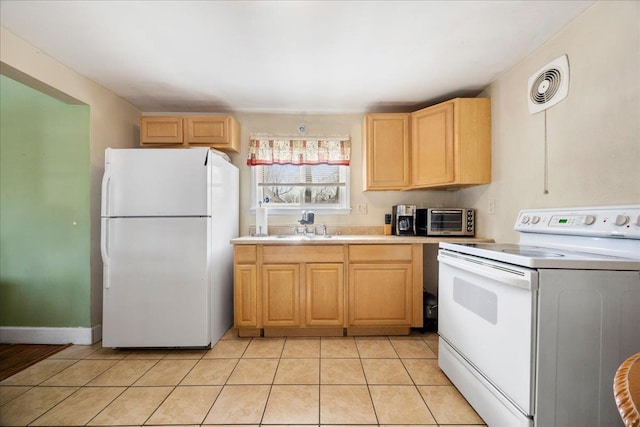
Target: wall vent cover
549,85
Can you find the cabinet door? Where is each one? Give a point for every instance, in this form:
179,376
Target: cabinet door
281,295
220,132
380,294
324,294
161,130
386,151
156,293
432,145
245,305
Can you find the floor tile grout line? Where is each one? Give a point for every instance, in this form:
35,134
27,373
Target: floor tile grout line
226,381
221,389
320,382
112,366
373,405
266,403
160,404
433,415
82,385
279,359
79,388
86,385
157,361
59,372
107,405
15,397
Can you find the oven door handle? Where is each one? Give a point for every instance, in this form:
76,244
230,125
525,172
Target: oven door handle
503,275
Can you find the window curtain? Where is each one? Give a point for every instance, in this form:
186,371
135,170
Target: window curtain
271,150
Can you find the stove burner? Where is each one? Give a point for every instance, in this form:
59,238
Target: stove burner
533,254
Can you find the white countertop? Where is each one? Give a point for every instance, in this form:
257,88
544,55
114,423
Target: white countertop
346,239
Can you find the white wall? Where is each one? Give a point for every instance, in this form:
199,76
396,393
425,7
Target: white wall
113,123
593,135
378,202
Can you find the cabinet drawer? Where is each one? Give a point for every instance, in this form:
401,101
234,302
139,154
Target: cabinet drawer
245,254
299,254
378,253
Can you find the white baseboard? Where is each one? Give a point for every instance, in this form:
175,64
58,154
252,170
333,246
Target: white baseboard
44,335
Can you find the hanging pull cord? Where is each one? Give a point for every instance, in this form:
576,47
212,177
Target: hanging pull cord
546,157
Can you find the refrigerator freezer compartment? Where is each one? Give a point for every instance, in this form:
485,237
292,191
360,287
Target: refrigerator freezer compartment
156,183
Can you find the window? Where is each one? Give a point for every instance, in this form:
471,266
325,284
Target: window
296,173
287,188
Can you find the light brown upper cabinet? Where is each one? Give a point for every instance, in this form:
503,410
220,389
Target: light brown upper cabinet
446,146
161,130
385,154
451,144
219,132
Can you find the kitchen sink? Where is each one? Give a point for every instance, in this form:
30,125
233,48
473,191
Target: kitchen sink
302,236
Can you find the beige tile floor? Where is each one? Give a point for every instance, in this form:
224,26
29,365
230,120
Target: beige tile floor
366,381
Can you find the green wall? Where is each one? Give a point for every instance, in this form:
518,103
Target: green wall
44,210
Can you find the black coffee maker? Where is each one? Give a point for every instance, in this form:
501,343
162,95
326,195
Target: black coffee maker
403,220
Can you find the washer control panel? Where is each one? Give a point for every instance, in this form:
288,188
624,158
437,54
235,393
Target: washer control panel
616,221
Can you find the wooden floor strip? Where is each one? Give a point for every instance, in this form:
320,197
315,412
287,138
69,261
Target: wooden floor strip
16,357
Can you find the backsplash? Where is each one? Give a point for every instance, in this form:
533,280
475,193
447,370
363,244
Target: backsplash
367,230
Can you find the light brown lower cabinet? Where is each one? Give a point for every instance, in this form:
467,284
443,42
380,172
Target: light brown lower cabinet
327,289
380,295
246,291
385,285
281,295
245,287
324,287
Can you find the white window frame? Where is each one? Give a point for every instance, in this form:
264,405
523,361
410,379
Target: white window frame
343,209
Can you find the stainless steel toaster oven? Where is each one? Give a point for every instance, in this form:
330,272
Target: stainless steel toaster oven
446,222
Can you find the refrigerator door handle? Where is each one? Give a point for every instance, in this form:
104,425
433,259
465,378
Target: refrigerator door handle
104,250
106,180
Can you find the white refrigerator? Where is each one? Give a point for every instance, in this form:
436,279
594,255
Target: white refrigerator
167,218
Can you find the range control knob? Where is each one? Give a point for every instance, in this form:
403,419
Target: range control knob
524,219
535,219
638,221
589,220
621,220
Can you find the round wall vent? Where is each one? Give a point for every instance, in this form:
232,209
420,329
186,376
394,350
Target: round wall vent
545,86
549,85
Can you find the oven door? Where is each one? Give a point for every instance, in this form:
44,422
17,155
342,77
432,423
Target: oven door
487,314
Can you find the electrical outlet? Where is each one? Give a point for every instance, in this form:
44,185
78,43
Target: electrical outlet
491,209
361,208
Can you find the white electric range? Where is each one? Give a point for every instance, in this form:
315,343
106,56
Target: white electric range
532,333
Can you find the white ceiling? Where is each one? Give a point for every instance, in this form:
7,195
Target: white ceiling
288,56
